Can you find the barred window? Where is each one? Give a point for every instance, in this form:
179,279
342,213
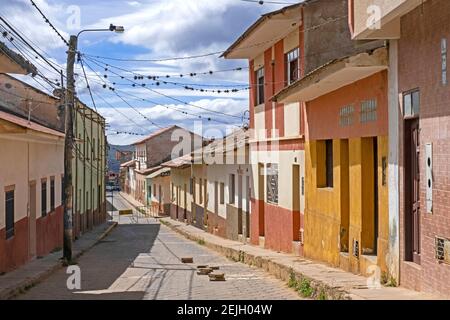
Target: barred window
272,183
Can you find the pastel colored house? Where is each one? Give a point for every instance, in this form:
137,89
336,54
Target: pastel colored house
273,45
418,34
89,169
158,191
229,186
31,168
150,152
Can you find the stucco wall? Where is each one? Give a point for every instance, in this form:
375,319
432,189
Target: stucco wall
23,160
327,34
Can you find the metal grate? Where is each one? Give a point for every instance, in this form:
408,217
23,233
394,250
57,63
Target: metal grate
346,116
272,183
368,111
442,250
355,248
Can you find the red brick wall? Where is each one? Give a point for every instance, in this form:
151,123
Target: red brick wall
419,67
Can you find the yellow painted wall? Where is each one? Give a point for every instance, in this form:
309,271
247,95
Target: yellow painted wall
334,217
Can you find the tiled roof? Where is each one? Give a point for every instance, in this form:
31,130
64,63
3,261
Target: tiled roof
154,134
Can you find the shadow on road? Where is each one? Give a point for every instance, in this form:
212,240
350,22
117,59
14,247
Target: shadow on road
107,270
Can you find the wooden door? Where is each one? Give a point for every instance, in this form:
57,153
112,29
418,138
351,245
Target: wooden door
412,191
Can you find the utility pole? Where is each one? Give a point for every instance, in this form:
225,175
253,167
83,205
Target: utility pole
68,149
69,138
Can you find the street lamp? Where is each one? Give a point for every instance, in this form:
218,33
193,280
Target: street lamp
69,139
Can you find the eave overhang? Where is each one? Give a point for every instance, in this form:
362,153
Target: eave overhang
334,75
265,32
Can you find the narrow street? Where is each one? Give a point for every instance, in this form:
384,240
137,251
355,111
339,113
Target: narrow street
140,259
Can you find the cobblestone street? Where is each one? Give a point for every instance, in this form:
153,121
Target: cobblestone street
140,259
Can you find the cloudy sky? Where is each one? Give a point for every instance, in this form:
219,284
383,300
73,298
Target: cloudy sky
155,30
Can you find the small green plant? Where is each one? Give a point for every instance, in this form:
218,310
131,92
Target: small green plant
201,242
305,288
322,295
292,283
388,280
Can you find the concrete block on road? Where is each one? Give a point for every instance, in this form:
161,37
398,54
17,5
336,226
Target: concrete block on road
187,260
216,276
204,271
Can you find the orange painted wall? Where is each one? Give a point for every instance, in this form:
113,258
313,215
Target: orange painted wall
268,90
322,114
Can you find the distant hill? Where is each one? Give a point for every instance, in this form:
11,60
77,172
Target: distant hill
113,164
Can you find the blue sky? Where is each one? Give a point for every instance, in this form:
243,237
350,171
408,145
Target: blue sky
154,29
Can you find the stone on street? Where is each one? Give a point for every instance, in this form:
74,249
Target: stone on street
141,259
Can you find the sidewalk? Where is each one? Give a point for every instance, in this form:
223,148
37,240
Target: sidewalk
30,274
321,280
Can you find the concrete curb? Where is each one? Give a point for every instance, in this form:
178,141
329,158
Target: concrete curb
311,288
30,282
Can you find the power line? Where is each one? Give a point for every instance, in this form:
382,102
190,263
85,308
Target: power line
216,52
105,85
176,99
87,84
35,45
188,74
49,23
30,46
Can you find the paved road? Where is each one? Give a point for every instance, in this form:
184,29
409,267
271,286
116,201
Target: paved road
140,259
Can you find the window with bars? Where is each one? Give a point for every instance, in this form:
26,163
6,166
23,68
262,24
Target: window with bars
292,66
9,210
272,183
260,86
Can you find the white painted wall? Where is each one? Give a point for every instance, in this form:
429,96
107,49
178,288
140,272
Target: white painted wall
292,122
22,162
221,174
285,161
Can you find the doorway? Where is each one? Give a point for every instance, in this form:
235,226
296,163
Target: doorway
412,192
240,199
32,219
296,202
261,198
